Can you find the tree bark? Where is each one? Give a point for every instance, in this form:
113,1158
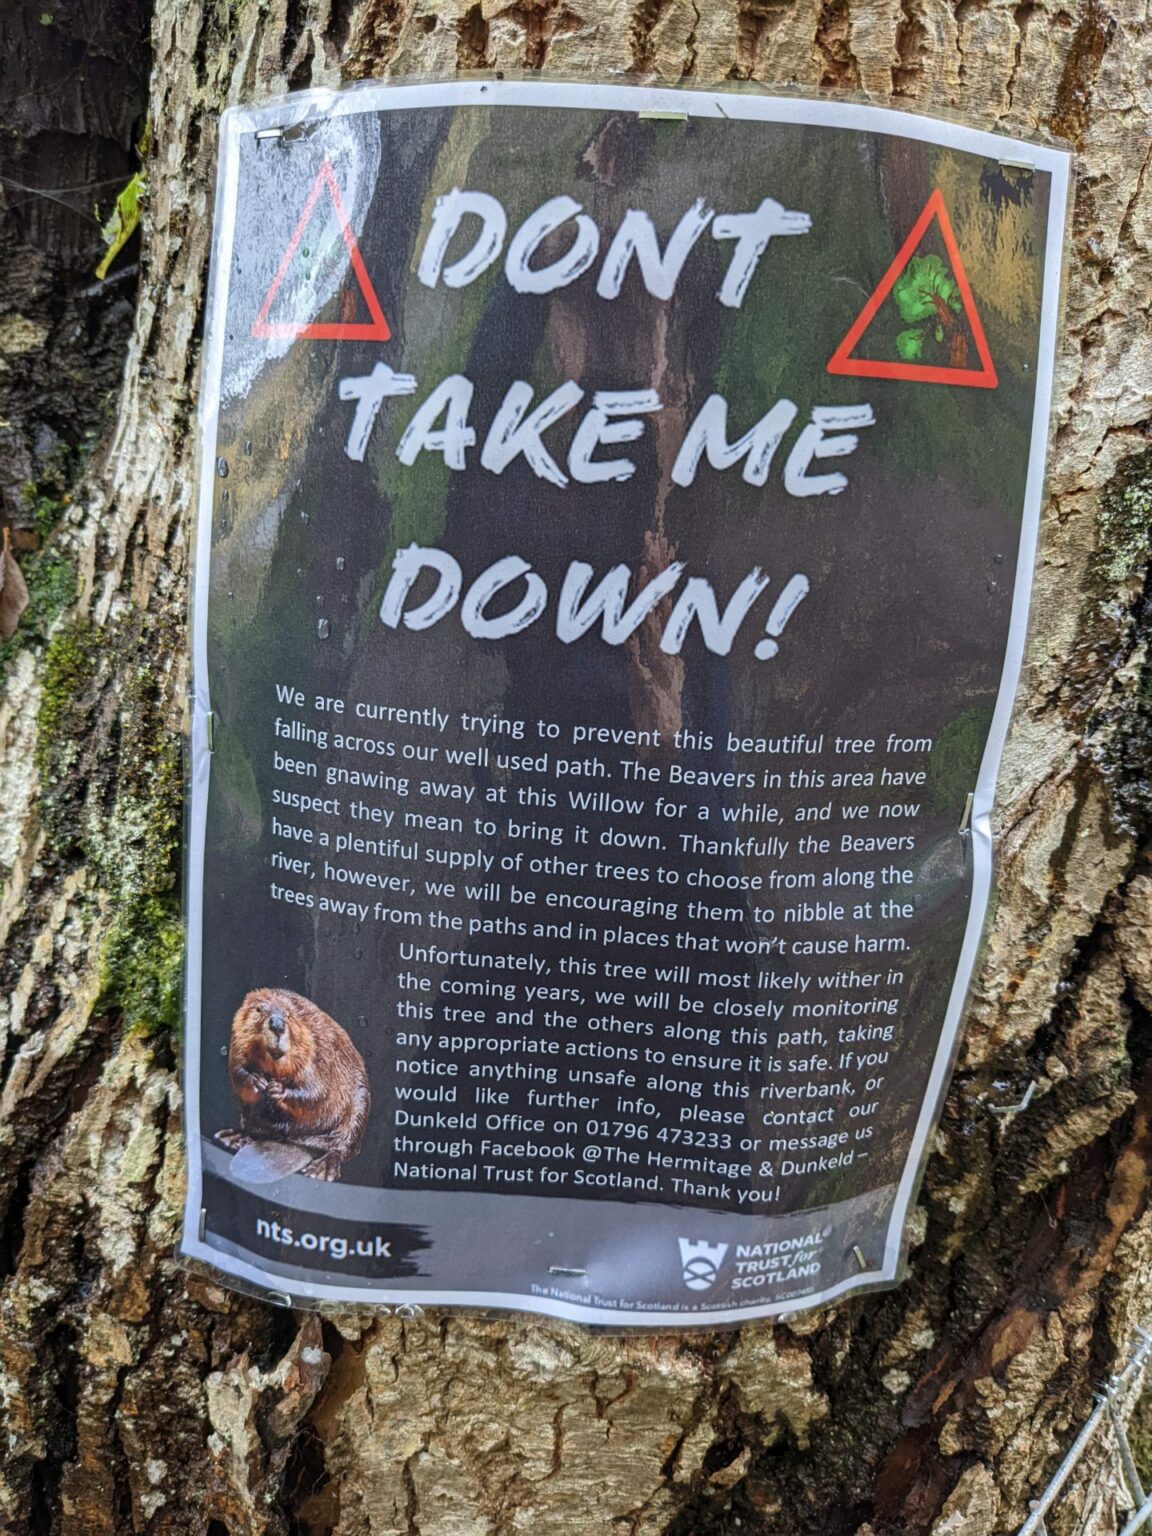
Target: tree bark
73,84
138,1397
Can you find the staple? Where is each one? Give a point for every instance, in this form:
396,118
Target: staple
559,1269
278,1298
290,134
1016,1109
203,1227
965,830
210,731
858,1254
662,117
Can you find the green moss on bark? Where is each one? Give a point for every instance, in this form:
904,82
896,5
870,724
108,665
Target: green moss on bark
1126,523
136,858
136,851
67,670
49,573
1123,556
51,582
112,795
142,967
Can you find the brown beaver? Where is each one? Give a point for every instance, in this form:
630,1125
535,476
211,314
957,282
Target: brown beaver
299,1079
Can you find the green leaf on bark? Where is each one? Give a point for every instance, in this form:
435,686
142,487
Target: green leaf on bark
122,223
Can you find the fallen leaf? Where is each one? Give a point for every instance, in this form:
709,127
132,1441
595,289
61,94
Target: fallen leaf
124,219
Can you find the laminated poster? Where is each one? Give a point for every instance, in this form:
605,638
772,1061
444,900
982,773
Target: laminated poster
616,526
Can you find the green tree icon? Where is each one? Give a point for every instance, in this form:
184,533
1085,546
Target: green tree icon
928,300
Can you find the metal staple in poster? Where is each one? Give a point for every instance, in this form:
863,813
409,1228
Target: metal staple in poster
615,537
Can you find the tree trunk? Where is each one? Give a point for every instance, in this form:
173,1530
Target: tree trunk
138,1397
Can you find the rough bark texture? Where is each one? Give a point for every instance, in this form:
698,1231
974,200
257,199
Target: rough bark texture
73,93
136,1398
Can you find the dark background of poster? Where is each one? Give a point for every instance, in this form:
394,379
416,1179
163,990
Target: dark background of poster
911,568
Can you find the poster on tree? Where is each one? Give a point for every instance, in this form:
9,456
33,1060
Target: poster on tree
616,525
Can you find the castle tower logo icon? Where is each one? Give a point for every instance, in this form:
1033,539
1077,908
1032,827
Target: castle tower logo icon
701,1262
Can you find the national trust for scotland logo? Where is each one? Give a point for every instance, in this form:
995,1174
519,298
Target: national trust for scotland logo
701,1262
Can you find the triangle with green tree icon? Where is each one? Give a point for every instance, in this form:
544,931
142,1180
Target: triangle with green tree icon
921,324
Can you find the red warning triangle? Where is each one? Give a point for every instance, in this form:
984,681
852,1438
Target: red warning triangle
983,377
375,329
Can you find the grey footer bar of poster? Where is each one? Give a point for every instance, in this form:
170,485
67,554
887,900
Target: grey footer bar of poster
607,1262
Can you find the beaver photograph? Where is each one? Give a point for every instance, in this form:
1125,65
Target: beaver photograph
299,1081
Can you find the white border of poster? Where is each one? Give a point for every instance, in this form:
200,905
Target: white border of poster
379,97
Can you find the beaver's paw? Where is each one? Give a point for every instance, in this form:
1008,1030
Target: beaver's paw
326,1167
